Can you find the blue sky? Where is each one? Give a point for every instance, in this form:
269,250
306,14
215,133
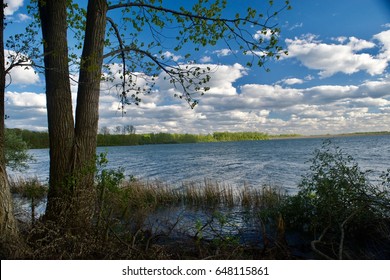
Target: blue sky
334,80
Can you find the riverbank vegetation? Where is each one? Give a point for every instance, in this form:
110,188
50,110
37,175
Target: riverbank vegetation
38,140
336,214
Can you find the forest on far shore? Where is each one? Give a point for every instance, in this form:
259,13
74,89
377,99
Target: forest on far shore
40,140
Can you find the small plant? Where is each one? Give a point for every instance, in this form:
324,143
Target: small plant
108,183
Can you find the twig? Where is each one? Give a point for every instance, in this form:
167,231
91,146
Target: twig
341,245
319,240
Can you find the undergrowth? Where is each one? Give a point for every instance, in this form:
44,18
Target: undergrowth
336,214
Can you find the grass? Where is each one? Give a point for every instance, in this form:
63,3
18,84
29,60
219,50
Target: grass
150,219
208,194
32,191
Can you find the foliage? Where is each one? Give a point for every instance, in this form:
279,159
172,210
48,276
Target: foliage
38,140
152,26
239,136
337,203
34,139
16,151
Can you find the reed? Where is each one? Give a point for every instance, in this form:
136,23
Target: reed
210,194
30,189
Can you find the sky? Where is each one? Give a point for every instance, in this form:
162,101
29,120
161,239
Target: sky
335,78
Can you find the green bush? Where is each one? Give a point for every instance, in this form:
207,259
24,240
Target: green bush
338,205
16,151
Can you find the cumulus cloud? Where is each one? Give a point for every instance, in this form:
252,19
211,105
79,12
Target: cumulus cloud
228,106
12,6
26,99
20,75
26,110
330,59
221,81
384,39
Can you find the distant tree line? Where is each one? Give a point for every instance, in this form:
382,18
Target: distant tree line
126,136
34,139
38,140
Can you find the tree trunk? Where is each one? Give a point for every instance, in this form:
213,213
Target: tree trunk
71,195
87,110
53,16
9,234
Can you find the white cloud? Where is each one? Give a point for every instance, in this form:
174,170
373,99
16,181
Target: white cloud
280,108
384,39
221,82
172,56
335,58
26,99
263,34
359,44
20,75
224,52
23,17
295,26
293,81
205,59
12,6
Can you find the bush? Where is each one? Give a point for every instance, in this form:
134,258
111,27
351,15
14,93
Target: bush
16,151
338,205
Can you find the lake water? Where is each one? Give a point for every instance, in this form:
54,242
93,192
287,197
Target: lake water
276,162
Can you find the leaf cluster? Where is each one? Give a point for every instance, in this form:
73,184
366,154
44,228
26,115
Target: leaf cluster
149,30
142,35
16,151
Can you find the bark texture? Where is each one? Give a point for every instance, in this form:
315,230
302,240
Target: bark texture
9,234
87,110
72,144
53,16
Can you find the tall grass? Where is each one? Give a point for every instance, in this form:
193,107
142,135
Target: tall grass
208,194
30,189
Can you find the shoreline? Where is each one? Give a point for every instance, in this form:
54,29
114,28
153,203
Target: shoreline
353,134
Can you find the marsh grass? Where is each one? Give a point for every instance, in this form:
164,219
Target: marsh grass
209,194
148,219
31,190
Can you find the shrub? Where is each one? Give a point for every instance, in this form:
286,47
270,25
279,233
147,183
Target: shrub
16,151
337,204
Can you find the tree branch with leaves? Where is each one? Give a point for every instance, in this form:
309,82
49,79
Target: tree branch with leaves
138,38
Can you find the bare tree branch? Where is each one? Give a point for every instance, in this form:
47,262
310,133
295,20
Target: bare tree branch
184,14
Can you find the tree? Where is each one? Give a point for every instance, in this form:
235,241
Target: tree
16,154
129,129
105,130
118,129
73,142
9,234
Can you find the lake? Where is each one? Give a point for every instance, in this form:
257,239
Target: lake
275,162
